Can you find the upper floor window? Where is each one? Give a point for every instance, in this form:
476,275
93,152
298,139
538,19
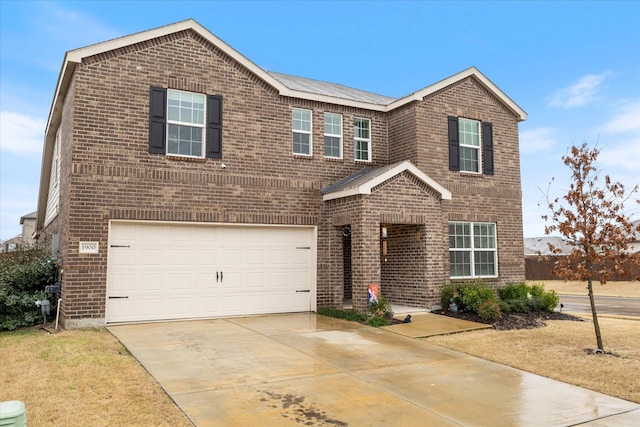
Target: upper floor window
469,137
333,135
470,146
185,123
473,249
302,141
362,139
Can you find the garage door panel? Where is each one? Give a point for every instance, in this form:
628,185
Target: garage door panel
177,282
123,257
147,283
168,271
147,256
254,279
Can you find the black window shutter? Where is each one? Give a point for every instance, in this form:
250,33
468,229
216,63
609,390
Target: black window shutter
214,126
454,144
487,148
157,120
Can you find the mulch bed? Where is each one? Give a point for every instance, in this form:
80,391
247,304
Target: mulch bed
514,321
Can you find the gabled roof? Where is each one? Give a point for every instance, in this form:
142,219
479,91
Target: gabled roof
289,86
363,181
31,215
296,87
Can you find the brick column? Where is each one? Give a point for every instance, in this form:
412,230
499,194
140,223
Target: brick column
365,254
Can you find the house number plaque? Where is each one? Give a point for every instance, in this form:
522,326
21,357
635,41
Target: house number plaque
88,248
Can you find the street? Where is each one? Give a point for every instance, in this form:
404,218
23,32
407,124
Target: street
604,305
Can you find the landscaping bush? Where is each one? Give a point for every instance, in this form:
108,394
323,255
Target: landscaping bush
548,301
381,309
446,294
380,313
489,311
514,291
23,278
467,296
472,294
516,305
523,298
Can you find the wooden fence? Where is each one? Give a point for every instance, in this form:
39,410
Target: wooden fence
537,268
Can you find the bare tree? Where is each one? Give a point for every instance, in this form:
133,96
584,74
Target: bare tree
593,221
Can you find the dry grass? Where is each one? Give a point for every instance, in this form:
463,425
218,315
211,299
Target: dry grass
629,289
558,351
80,378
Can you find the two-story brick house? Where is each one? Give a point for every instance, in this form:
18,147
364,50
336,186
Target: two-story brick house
183,181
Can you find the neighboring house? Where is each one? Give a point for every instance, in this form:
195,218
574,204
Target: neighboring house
534,246
539,259
13,244
24,240
183,181
634,244
28,223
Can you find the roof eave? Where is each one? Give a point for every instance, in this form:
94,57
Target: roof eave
472,71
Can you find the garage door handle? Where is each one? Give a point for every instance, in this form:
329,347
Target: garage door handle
217,277
303,290
117,297
221,277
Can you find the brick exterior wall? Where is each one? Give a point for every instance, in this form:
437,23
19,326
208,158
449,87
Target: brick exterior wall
108,173
477,197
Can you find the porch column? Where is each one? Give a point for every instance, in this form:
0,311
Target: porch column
365,255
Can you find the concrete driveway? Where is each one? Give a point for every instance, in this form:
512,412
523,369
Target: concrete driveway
308,370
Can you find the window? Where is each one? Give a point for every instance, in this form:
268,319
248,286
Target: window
473,249
362,139
470,146
333,135
469,137
302,132
185,123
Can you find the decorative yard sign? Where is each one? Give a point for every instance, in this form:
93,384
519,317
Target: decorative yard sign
88,248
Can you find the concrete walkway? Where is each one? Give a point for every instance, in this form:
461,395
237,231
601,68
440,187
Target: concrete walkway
424,325
308,370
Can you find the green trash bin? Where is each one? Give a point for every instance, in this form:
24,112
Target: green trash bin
12,414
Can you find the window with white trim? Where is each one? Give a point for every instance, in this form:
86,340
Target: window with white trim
469,137
473,249
302,140
333,135
362,139
185,123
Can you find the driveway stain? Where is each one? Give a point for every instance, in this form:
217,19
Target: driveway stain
294,408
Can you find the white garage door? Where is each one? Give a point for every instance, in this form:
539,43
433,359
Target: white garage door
160,271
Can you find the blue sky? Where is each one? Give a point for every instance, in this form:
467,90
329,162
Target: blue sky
573,66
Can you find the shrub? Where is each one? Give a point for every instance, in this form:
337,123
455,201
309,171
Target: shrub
23,278
546,302
381,309
516,305
473,294
489,311
446,294
522,298
514,291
